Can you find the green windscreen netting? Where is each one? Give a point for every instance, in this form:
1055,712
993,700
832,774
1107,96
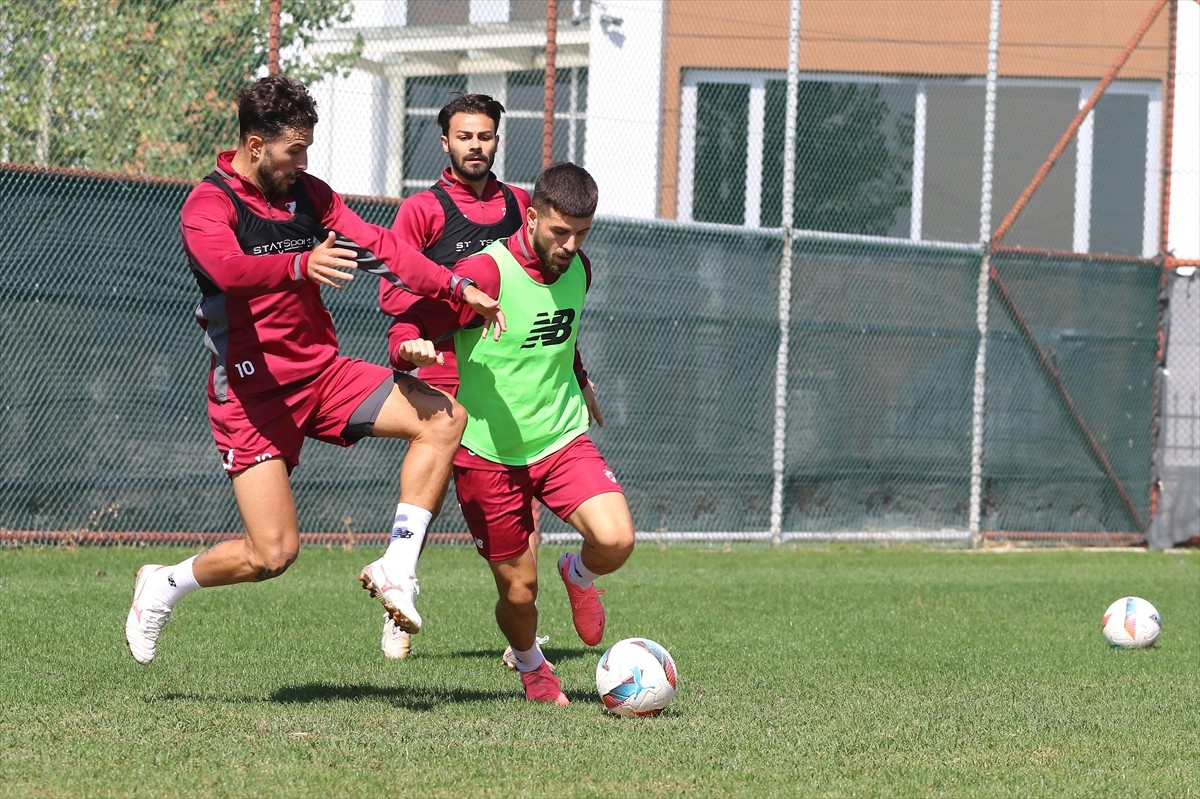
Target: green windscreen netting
1053,425
104,423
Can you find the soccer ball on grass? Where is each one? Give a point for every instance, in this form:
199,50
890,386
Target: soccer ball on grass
636,677
1131,623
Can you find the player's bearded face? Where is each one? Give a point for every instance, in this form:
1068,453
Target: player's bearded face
557,238
471,144
281,161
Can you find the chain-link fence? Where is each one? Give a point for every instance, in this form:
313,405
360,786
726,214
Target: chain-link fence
958,336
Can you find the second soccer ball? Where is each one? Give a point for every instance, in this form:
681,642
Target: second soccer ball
1131,623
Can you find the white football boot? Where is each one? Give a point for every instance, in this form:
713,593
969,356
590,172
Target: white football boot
396,592
146,618
396,643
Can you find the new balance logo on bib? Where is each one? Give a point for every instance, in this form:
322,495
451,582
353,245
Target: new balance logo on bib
551,330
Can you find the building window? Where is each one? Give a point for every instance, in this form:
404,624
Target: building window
439,12
519,157
721,136
536,9
903,158
865,132
424,159
524,122
1119,167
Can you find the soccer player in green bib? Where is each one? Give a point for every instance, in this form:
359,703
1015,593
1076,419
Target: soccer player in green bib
529,404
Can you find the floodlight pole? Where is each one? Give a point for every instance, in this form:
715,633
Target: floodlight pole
273,38
548,111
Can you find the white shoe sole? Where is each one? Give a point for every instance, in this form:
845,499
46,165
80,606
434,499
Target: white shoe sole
399,605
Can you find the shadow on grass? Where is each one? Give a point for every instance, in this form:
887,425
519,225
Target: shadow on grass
314,693
408,698
554,654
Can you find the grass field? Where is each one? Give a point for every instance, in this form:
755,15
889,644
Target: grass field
827,671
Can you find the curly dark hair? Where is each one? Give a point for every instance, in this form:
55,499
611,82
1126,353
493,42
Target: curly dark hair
470,104
566,188
274,104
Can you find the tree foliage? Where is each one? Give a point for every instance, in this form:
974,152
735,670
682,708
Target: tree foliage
144,87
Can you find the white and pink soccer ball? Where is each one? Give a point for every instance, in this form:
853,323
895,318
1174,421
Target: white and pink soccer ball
636,677
1131,623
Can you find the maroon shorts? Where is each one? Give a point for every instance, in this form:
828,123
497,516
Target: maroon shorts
441,381
249,430
497,500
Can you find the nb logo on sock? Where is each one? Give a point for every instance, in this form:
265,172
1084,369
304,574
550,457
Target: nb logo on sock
171,580
404,532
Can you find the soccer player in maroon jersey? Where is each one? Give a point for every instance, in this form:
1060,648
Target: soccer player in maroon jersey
275,375
464,211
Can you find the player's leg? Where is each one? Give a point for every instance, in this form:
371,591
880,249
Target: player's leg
257,457
606,525
580,488
516,610
535,540
607,529
430,418
270,544
508,658
272,538
517,616
432,422
396,643
495,503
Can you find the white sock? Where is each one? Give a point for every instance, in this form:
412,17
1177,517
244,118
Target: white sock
178,581
408,535
529,659
579,574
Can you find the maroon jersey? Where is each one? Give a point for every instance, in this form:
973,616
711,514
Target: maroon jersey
264,322
447,223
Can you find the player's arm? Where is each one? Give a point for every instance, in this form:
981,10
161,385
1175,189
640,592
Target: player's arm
207,223
417,352
462,291
413,336
419,223
431,321
593,405
589,390
585,383
380,251
327,262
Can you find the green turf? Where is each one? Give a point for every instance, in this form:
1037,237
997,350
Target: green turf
822,671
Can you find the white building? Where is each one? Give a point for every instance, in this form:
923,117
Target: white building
630,75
